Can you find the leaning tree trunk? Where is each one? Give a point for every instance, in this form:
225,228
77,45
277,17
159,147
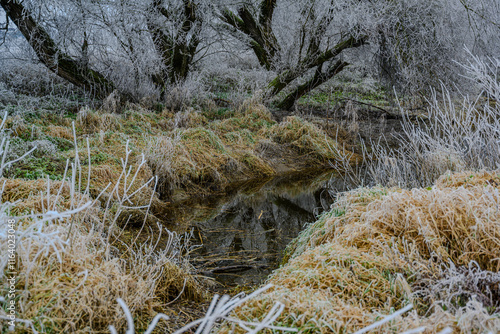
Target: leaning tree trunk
51,56
318,79
258,28
282,80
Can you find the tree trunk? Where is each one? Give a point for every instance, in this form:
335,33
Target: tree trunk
281,81
263,41
318,79
51,56
287,76
177,53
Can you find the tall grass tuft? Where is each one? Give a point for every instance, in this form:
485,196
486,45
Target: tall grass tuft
455,134
71,263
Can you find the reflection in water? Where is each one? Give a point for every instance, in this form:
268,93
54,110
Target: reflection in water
244,234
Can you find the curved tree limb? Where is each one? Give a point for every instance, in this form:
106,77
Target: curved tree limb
51,55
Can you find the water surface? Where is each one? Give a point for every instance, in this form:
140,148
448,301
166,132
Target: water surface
244,233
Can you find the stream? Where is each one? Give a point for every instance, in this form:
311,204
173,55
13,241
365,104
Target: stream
243,233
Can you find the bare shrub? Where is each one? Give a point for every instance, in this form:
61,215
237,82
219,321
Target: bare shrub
451,136
457,286
112,103
6,95
184,94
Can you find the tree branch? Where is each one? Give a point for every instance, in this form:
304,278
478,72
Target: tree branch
51,55
318,79
6,28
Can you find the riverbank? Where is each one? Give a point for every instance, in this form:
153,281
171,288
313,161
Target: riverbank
380,249
91,177
193,152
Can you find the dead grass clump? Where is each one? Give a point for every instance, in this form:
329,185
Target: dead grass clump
454,224
347,273
468,179
191,157
304,136
18,125
380,249
56,131
79,292
72,264
254,105
251,116
90,121
187,119
199,158
27,195
256,117
255,163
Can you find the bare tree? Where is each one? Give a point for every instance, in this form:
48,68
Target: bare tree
308,42
51,55
313,45
141,47
132,41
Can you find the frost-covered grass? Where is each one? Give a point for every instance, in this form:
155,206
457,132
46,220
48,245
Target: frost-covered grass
194,151
381,249
73,195
72,271
454,134
71,265
426,235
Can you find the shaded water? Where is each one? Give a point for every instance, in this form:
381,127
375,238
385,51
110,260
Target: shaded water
244,233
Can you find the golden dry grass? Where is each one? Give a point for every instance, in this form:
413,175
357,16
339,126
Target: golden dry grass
304,136
211,155
380,249
29,195
80,293
90,121
187,152
74,287
57,131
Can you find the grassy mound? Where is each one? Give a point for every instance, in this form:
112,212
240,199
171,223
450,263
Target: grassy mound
231,149
380,249
72,269
306,137
192,151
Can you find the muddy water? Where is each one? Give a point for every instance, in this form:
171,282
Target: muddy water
244,232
